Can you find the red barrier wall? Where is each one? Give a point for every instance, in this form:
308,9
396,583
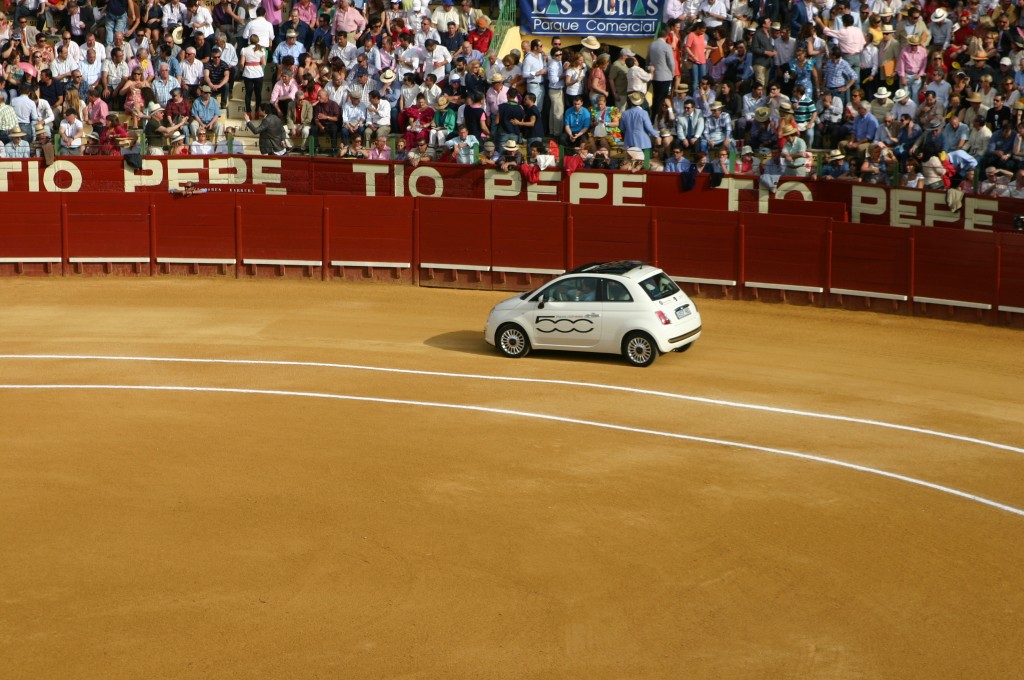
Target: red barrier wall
508,244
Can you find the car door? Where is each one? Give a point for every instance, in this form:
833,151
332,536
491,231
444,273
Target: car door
620,312
569,316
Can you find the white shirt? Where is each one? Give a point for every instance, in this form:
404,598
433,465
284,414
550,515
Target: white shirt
382,116
251,55
202,21
348,54
59,68
353,113
337,93
440,54
262,28
531,64
70,130
91,72
191,73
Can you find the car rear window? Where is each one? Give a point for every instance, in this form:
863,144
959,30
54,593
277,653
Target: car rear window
659,286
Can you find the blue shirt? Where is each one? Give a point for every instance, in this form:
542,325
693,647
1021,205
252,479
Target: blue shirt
205,112
577,120
837,74
677,165
296,51
745,69
636,128
865,127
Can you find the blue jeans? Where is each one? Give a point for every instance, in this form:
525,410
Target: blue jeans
697,71
114,25
913,86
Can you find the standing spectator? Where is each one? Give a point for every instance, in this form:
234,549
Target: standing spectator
911,64
464,146
271,131
696,50
347,19
254,62
839,76
635,123
117,14
261,28
661,57
617,83
577,123
850,39
762,48
534,70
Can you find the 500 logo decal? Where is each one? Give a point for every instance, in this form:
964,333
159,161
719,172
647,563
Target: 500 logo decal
563,324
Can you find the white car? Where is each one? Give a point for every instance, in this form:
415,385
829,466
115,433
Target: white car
626,307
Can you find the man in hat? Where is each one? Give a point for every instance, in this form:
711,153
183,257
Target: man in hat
903,104
911,65
941,29
751,102
881,104
511,158
837,168
158,130
718,128
589,45
978,69
496,95
291,47
17,147
481,35
913,25
353,116
636,126
930,143
488,154
206,114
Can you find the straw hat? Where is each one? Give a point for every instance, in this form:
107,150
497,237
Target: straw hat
591,43
901,94
1018,105
177,137
787,107
980,56
888,29
975,98
682,88
387,76
746,151
761,114
882,93
914,39
789,131
510,145
636,99
442,102
939,15
176,34
16,132
717,106
836,155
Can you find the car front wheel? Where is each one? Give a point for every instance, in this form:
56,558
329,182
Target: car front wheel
639,349
512,341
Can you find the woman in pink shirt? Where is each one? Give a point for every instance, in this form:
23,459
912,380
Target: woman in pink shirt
696,51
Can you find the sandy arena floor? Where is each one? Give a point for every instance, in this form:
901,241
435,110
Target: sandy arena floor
278,531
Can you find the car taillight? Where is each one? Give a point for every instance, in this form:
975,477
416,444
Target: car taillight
662,318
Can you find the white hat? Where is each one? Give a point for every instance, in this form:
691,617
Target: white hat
626,52
1005,61
882,93
510,145
591,43
387,76
636,153
901,94
939,15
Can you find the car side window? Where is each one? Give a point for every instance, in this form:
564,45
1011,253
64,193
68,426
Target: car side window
616,292
575,289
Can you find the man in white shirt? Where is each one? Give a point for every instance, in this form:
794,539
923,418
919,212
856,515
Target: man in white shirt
442,15
173,15
63,65
91,68
353,116
426,32
100,48
199,18
409,57
534,70
435,58
344,50
71,133
261,28
378,118
74,49
115,70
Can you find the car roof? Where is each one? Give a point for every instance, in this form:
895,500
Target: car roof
618,268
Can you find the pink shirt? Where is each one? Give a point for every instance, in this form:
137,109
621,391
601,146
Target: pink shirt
378,155
494,99
697,46
307,13
851,40
273,9
348,21
912,61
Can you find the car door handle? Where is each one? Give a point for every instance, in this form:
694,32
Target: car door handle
592,315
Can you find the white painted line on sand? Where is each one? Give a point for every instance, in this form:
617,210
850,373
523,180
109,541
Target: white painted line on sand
539,416
539,381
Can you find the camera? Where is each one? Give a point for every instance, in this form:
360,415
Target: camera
1018,223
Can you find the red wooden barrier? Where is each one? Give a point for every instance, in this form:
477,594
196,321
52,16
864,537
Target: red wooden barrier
31,234
954,267
783,253
871,261
282,231
454,234
198,230
528,237
797,206
699,246
602,233
106,229
370,233
1011,267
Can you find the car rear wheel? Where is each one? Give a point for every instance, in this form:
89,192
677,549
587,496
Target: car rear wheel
639,349
512,341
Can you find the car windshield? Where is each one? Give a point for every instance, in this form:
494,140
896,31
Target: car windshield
659,286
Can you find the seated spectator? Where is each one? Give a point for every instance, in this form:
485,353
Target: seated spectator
17,147
877,166
202,146
577,123
511,157
837,167
177,145
464,146
677,162
690,127
72,131
206,114
380,151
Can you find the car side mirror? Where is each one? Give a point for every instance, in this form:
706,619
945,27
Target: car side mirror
540,302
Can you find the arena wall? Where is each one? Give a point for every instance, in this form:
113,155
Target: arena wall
797,257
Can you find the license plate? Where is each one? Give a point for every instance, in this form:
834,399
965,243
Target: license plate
682,311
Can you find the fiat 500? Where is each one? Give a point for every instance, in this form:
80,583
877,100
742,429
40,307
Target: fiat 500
629,308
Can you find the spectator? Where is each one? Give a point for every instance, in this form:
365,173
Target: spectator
464,146
206,114
635,123
271,131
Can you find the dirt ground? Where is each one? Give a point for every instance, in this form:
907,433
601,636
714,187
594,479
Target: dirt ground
175,534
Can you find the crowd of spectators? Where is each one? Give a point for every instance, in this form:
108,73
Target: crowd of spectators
877,91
